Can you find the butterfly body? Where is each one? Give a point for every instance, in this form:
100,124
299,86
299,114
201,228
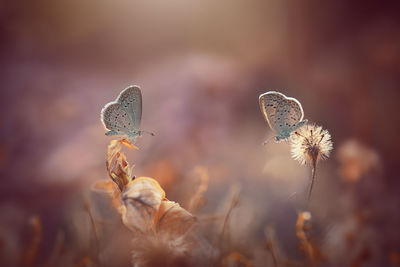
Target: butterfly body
123,116
283,114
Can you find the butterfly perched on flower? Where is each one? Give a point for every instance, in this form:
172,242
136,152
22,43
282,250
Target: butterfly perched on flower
283,114
123,116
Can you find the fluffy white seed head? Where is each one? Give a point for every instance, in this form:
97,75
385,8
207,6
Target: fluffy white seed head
310,142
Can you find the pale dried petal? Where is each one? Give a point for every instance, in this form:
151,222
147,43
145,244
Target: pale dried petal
174,219
142,198
105,200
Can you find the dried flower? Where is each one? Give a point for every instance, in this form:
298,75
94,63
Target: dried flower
162,228
310,143
117,166
142,198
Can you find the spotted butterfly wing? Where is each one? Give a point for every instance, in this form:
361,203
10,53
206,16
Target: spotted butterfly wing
123,116
269,103
283,114
289,116
131,99
116,119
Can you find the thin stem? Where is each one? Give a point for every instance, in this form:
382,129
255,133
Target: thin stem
96,236
313,171
233,204
271,247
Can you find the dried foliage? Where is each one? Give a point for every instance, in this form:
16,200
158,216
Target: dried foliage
117,166
162,233
160,226
303,226
142,199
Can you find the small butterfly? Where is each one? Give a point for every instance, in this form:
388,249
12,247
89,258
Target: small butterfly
122,116
283,114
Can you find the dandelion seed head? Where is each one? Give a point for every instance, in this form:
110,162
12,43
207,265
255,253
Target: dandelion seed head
310,142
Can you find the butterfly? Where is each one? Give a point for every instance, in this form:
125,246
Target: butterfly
283,114
122,116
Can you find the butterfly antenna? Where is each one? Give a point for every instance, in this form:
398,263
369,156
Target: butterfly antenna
148,132
297,133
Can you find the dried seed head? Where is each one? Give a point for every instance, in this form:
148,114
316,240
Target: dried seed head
310,142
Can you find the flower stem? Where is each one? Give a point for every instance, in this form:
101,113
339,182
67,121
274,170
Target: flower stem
313,170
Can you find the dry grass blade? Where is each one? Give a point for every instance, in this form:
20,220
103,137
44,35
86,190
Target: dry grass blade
302,226
234,201
32,249
95,232
198,199
270,244
58,249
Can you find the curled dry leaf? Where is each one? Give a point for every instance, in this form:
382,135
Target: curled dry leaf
117,166
127,143
173,219
147,211
105,199
142,199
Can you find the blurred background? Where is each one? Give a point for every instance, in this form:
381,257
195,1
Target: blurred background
201,66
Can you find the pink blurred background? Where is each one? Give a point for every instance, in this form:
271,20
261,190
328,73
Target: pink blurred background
201,66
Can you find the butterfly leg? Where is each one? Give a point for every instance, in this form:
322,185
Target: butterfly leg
300,124
112,132
134,134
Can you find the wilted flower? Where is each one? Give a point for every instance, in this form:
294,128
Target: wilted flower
311,142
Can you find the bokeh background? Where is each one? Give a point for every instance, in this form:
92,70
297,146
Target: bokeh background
201,66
